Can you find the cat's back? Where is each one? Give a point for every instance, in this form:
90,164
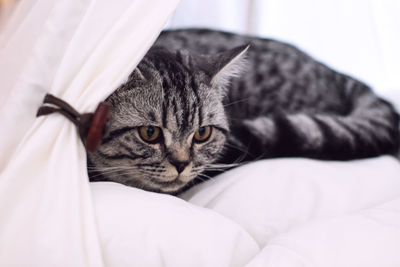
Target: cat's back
207,41
277,75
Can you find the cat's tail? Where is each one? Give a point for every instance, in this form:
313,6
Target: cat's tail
370,128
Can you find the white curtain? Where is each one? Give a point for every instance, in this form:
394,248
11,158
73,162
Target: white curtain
359,37
80,51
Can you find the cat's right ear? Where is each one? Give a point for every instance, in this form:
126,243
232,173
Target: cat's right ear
137,75
220,68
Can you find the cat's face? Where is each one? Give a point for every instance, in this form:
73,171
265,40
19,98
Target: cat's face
167,124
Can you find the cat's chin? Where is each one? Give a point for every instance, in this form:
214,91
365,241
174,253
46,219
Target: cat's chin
184,178
173,187
167,186
179,178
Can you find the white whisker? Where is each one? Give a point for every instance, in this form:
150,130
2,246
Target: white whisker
235,102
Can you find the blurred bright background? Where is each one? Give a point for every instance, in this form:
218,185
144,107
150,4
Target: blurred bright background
358,37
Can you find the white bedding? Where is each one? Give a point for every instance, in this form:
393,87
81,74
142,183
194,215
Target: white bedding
281,212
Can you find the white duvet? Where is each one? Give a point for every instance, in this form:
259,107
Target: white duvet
281,212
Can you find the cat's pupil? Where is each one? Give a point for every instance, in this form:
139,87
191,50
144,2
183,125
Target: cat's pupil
202,131
150,131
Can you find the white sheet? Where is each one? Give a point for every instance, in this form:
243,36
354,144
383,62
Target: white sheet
139,228
283,212
312,213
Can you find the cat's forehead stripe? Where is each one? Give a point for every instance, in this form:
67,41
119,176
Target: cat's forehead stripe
195,89
152,116
164,114
180,99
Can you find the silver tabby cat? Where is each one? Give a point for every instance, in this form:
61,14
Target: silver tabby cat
201,100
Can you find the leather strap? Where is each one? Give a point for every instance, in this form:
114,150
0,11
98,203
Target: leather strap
91,126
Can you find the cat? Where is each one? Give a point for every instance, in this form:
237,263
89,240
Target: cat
202,100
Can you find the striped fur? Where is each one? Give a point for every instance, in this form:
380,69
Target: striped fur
284,104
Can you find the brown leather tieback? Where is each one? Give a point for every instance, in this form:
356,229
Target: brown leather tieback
91,126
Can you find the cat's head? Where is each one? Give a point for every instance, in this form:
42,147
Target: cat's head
167,121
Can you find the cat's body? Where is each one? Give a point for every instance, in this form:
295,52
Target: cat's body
283,103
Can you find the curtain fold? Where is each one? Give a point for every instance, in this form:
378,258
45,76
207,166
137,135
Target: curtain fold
81,51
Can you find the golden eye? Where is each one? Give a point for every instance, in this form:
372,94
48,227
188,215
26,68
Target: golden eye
150,134
202,134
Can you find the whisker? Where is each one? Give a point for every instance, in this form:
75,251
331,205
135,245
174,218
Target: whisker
237,101
108,173
150,173
113,171
222,165
110,167
205,176
151,168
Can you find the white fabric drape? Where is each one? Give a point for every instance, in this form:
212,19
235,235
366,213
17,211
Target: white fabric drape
79,51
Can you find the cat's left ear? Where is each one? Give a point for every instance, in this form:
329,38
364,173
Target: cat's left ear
225,65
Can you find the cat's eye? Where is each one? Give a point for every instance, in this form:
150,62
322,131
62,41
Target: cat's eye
202,134
150,134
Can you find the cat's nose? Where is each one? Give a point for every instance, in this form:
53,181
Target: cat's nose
180,165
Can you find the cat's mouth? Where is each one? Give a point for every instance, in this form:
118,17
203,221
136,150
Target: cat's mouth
174,179
170,180
172,183
172,174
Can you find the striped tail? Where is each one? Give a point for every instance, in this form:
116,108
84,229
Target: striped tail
371,128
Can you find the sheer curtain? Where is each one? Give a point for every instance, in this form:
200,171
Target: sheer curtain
359,37
80,51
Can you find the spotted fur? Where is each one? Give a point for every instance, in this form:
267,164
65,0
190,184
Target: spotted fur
275,101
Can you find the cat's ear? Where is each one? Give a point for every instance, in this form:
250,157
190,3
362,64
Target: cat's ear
137,75
223,66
